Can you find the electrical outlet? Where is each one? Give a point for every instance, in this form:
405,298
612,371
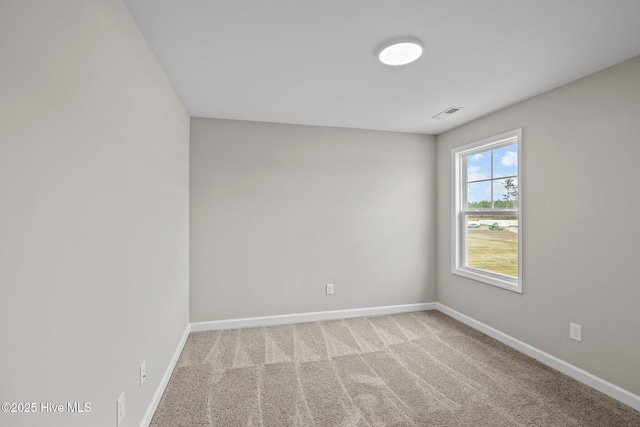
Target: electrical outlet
120,405
575,332
143,373
329,288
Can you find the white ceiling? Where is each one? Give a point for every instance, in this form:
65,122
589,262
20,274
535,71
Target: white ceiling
314,62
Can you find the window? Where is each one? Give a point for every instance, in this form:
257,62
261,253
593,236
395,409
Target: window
487,222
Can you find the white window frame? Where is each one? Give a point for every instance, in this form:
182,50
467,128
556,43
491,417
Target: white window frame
459,210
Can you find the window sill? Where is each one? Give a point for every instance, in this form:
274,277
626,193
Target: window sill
498,280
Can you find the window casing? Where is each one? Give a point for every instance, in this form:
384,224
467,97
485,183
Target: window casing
487,211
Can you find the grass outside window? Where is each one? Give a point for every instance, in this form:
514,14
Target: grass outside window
493,250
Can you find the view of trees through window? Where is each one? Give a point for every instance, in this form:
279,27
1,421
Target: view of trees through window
508,200
492,184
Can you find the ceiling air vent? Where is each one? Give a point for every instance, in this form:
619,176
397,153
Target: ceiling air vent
446,113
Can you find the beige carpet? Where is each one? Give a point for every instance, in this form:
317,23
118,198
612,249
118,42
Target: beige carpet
413,369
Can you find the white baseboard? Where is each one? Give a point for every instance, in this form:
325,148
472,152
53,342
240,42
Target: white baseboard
146,420
574,372
308,317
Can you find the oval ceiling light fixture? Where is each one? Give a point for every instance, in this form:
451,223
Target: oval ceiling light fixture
400,51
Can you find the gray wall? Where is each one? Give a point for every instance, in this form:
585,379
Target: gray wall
580,189
278,211
93,211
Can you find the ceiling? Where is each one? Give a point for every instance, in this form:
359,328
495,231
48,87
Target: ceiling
314,62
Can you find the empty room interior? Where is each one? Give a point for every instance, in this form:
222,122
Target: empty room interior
337,213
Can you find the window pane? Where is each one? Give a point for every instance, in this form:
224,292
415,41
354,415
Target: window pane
479,195
479,166
492,243
505,193
505,161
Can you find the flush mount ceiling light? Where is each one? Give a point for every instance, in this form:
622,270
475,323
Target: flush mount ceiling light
400,51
